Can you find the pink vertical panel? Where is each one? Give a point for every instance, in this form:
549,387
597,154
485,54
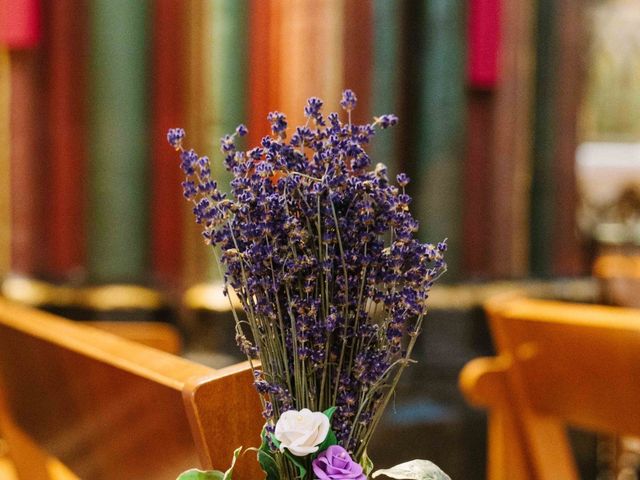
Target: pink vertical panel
20,25
484,43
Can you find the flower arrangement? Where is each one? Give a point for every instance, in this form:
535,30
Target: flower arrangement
320,249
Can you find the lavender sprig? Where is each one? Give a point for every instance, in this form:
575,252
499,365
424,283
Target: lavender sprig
321,250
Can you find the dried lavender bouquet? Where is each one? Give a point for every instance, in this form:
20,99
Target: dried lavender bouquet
320,249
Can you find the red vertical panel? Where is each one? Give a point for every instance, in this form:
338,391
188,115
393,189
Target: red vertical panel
275,32
476,228
169,86
66,40
261,100
28,165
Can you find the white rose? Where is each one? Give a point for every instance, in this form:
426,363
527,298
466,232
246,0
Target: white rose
301,431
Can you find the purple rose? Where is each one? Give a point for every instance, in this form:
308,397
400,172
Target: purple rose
335,463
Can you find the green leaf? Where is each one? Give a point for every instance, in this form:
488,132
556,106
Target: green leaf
268,465
295,460
228,474
366,463
302,470
265,449
329,412
414,470
329,440
195,474
276,442
266,460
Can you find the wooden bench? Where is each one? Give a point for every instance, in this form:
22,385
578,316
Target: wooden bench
619,277
109,408
558,364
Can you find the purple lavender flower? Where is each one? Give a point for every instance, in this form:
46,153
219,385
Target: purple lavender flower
241,130
278,122
349,100
267,413
189,159
335,463
402,179
312,109
189,189
227,144
386,121
175,136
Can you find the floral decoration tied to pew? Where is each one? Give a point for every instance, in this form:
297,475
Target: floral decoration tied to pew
320,249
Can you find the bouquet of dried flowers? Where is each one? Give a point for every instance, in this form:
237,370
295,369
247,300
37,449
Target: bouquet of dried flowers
320,249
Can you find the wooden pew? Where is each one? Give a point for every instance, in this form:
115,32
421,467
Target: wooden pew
109,408
618,273
558,364
158,335
34,462
619,277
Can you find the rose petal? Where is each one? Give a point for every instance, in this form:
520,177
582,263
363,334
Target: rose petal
319,472
341,462
333,470
301,451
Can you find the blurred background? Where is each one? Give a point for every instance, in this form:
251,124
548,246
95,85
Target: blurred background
519,126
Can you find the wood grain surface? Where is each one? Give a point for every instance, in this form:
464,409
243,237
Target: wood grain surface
559,364
109,408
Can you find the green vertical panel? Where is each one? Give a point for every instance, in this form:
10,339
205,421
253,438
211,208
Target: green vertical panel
387,17
228,74
438,184
119,90
543,184
229,64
